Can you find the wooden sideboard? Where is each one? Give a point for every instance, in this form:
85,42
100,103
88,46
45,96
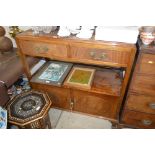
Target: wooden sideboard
113,62
139,109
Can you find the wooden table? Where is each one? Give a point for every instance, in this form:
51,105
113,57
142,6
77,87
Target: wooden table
30,110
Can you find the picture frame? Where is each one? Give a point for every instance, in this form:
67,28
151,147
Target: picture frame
52,73
81,77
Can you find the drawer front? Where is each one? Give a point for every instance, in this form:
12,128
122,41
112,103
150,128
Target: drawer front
60,97
141,103
43,49
138,119
100,105
146,64
143,84
100,55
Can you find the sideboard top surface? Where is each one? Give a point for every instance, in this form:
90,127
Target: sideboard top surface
27,35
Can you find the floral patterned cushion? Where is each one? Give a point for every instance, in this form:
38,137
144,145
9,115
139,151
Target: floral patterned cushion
3,118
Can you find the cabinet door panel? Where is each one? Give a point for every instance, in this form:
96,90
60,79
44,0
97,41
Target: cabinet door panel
60,97
101,105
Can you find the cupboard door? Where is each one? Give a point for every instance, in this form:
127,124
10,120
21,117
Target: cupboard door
95,104
60,97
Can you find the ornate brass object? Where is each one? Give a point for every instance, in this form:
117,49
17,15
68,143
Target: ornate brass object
14,30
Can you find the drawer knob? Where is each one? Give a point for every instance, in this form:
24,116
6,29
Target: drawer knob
146,122
152,105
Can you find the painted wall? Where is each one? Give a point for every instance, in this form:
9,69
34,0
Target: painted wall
7,32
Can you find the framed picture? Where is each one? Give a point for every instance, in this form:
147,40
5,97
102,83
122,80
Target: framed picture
80,77
53,73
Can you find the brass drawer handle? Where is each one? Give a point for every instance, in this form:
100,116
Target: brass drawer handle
152,105
146,122
41,49
92,54
103,56
45,49
37,49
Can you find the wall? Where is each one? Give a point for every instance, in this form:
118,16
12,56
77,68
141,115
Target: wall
8,35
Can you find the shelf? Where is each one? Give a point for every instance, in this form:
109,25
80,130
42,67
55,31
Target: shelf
106,81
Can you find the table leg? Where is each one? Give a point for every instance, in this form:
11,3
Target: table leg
49,122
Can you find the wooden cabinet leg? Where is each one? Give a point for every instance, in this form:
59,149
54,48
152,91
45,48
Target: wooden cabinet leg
119,126
115,125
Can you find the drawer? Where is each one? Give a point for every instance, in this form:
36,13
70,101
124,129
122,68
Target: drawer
143,84
138,119
146,64
101,56
141,103
43,49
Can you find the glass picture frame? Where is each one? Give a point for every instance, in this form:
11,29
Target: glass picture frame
81,77
52,73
